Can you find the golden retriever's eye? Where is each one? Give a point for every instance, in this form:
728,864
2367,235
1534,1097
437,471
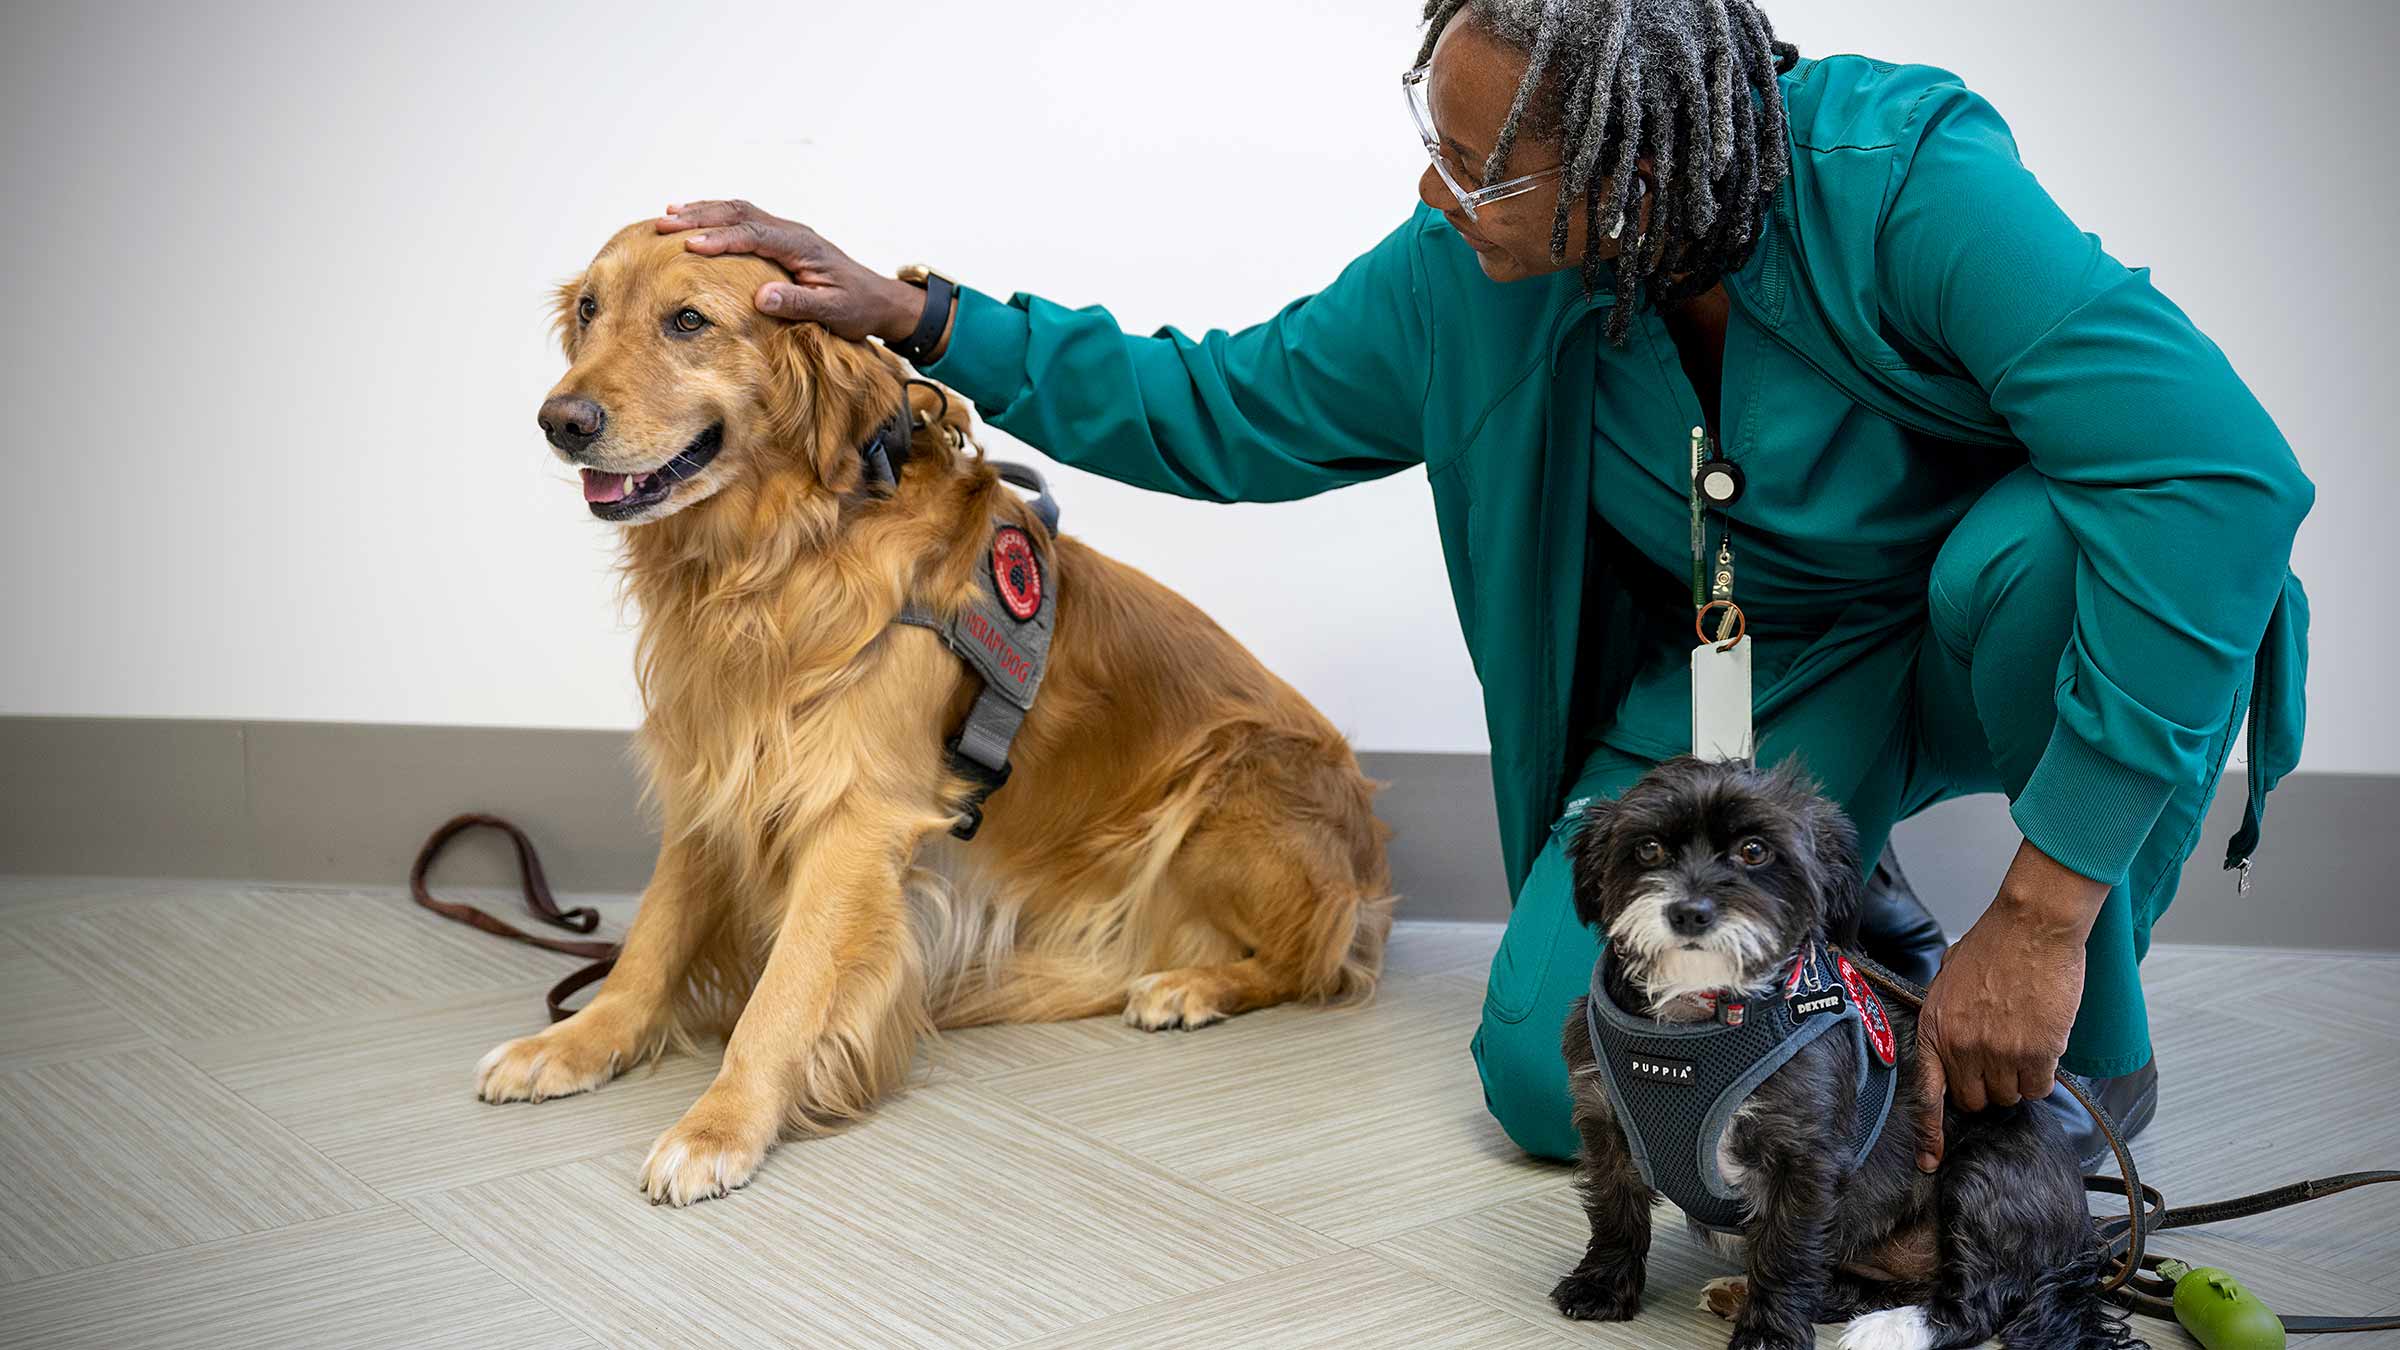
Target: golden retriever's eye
690,321
1754,853
587,309
1649,853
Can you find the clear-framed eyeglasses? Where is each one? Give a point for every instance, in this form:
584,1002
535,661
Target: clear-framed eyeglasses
1470,199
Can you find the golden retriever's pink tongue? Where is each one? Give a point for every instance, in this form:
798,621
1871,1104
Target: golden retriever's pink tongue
605,487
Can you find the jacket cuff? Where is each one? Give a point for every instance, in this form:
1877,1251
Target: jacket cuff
986,356
2086,810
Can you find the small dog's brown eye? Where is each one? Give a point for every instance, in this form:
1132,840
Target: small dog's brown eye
690,321
1649,853
1754,853
587,309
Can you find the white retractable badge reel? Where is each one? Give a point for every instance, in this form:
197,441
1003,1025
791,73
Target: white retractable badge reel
1721,482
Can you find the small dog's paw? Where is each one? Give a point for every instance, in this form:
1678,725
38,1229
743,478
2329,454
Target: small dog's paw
695,1162
1597,1298
1172,998
1890,1329
559,1062
1757,1338
1725,1296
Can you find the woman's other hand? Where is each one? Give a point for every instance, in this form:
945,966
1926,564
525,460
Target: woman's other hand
1996,1018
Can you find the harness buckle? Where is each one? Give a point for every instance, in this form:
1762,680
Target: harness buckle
984,779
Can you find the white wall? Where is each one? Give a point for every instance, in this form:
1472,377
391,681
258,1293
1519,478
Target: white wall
275,274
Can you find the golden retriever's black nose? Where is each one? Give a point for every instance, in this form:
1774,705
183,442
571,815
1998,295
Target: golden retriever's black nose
571,423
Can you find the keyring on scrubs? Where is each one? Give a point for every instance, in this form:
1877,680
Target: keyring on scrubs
1741,624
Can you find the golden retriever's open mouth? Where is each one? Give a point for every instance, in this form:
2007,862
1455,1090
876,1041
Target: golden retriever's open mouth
620,496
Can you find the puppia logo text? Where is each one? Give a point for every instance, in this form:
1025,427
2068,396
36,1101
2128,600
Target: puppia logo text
1659,1069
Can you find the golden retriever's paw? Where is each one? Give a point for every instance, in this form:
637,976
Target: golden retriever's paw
1174,998
691,1163
559,1062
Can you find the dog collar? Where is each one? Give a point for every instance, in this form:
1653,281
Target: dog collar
886,452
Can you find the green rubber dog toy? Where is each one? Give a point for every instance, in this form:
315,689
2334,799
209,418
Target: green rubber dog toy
2219,1312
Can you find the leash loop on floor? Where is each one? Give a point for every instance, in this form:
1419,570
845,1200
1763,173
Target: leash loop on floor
602,955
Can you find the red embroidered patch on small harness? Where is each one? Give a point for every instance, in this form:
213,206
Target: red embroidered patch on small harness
1870,1010
1016,572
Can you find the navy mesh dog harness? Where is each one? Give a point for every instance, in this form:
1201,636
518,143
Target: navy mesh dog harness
1675,1085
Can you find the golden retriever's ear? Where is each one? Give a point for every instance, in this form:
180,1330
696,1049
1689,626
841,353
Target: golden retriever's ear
825,397
563,300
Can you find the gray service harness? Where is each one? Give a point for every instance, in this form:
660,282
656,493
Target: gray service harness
1676,1085
1002,633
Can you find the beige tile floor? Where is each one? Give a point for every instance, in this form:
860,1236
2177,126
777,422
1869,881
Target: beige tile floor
239,1116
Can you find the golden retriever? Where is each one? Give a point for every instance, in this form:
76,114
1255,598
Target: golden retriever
1184,837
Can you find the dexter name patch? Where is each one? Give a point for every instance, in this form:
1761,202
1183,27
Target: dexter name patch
1016,572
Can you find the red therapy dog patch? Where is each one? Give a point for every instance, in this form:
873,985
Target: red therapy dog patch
1870,1010
1016,572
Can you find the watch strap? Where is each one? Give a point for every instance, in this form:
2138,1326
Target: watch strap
918,346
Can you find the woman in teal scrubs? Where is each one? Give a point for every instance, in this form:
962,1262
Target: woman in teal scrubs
2011,523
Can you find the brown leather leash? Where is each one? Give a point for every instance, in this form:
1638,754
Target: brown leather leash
602,955
2153,1293
2133,1282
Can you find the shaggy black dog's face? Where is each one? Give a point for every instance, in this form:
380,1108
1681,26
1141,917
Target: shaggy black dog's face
1706,877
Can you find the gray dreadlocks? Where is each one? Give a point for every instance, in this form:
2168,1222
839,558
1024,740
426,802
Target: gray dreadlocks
1670,81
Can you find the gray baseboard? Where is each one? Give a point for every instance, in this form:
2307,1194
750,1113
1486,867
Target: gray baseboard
348,803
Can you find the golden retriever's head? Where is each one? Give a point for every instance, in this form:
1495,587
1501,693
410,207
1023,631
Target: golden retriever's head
679,388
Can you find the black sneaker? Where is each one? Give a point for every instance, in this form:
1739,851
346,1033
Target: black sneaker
2130,1099
1895,928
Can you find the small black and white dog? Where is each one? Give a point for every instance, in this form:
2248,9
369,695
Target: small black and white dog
1713,883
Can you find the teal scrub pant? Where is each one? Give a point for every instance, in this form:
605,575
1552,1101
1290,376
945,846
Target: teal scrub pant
2000,606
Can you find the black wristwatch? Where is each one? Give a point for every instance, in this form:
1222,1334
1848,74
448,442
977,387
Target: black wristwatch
917,347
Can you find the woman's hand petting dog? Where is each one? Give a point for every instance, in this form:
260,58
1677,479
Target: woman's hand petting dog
828,286
1996,1019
